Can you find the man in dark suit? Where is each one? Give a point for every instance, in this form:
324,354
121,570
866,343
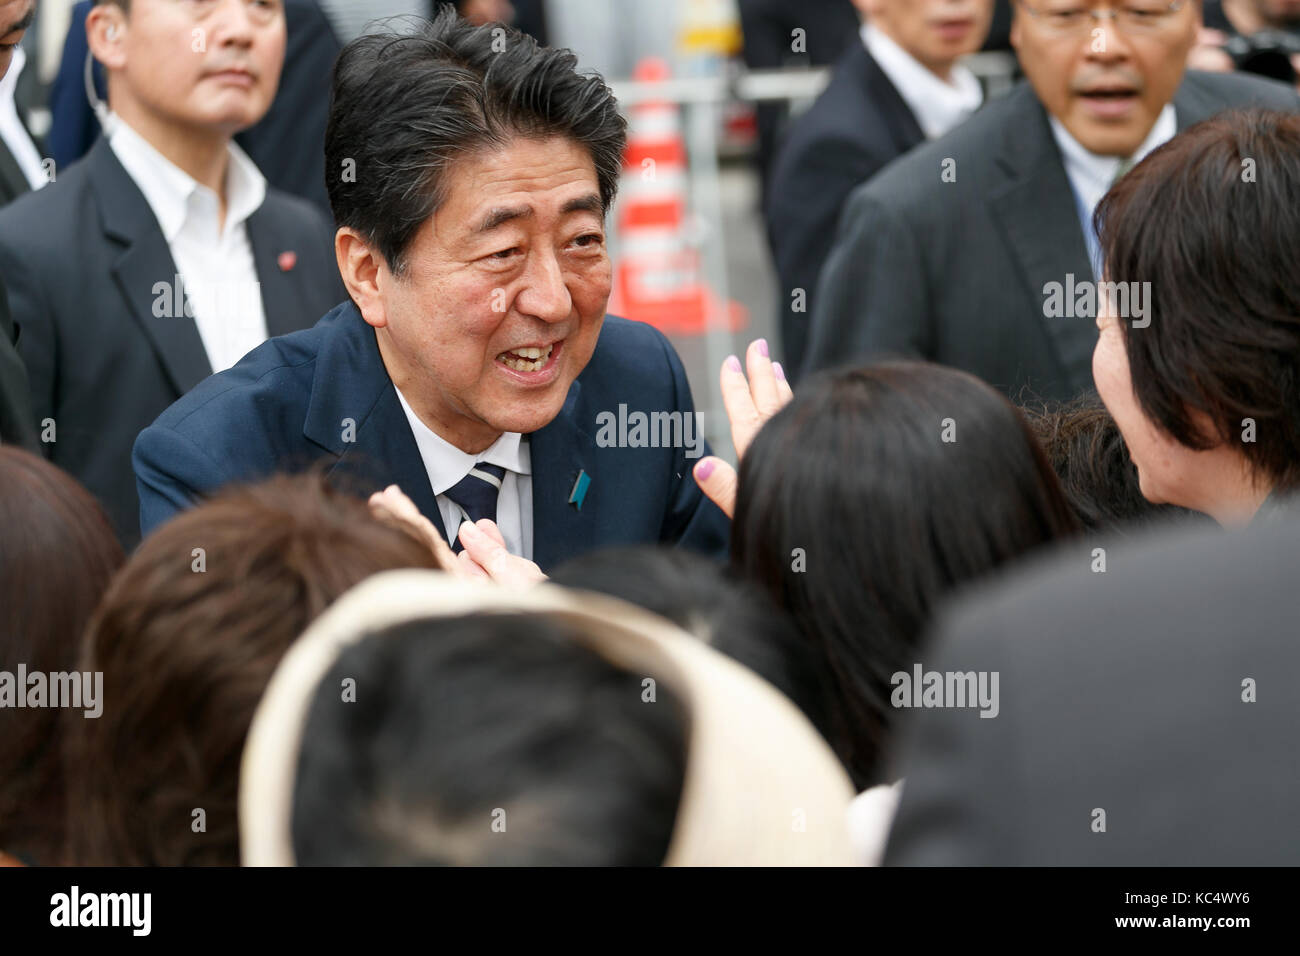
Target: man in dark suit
952,252
17,426
162,256
1146,713
474,366
899,85
286,144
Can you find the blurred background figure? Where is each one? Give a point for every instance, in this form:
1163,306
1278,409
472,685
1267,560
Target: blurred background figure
165,255
948,255
781,34
287,144
57,555
1255,36
901,83
186,638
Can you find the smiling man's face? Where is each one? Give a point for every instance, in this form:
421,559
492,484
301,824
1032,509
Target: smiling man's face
503,294
15,17
1105,85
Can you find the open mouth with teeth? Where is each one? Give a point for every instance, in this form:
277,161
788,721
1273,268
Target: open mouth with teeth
527,359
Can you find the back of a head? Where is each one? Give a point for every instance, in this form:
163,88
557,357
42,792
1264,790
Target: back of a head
734,617
1088,454
186,638
486,740
873,494
57,555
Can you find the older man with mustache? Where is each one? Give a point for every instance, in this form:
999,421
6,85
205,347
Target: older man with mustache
950,253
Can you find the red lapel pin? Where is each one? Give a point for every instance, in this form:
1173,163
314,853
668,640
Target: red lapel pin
287,261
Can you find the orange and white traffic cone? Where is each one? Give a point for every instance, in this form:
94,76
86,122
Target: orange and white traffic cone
658,280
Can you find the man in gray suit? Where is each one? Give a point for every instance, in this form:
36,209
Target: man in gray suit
1145,715
953,252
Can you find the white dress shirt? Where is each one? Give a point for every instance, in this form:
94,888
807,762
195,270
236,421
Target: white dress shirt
446,465
937,105
215,261
1092,175
12,130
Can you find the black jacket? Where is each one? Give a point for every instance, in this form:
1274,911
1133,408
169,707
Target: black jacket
81,258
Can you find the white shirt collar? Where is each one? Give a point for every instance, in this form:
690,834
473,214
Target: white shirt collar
447,464
174,195
938,106
1093,175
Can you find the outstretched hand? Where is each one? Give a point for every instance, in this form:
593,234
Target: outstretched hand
749,402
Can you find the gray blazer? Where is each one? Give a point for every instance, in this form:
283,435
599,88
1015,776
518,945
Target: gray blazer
1119,692
954,272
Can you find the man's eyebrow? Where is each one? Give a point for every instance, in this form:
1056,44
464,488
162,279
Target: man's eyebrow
24,23
589,203
503,214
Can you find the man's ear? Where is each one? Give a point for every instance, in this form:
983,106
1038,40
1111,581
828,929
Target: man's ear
106,33
364,272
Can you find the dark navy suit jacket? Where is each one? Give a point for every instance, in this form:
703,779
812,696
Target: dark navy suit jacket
286,407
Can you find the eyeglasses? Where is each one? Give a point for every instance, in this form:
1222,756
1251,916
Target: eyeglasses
1068,17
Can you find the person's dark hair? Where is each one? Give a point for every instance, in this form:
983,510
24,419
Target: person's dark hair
1210,219
57,556
734,617
187,638
486,740
405,105
1088,454
869,497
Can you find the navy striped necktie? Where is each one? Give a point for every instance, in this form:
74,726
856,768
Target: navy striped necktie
476,494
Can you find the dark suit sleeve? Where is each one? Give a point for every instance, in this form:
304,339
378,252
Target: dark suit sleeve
36,338
171,474
692,520
808,193
960,770
17,426
872,298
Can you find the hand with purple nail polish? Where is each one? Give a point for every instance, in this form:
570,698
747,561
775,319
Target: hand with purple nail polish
749,402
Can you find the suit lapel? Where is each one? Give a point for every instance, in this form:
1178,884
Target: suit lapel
276,261
1035,206
145,272
354,413
559,452
883,96
12,181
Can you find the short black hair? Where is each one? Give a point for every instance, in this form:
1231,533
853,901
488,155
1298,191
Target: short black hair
1088,454
460,723
1210,219
732,616
857,516
404,105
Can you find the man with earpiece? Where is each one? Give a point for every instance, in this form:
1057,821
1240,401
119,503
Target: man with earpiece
163,255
